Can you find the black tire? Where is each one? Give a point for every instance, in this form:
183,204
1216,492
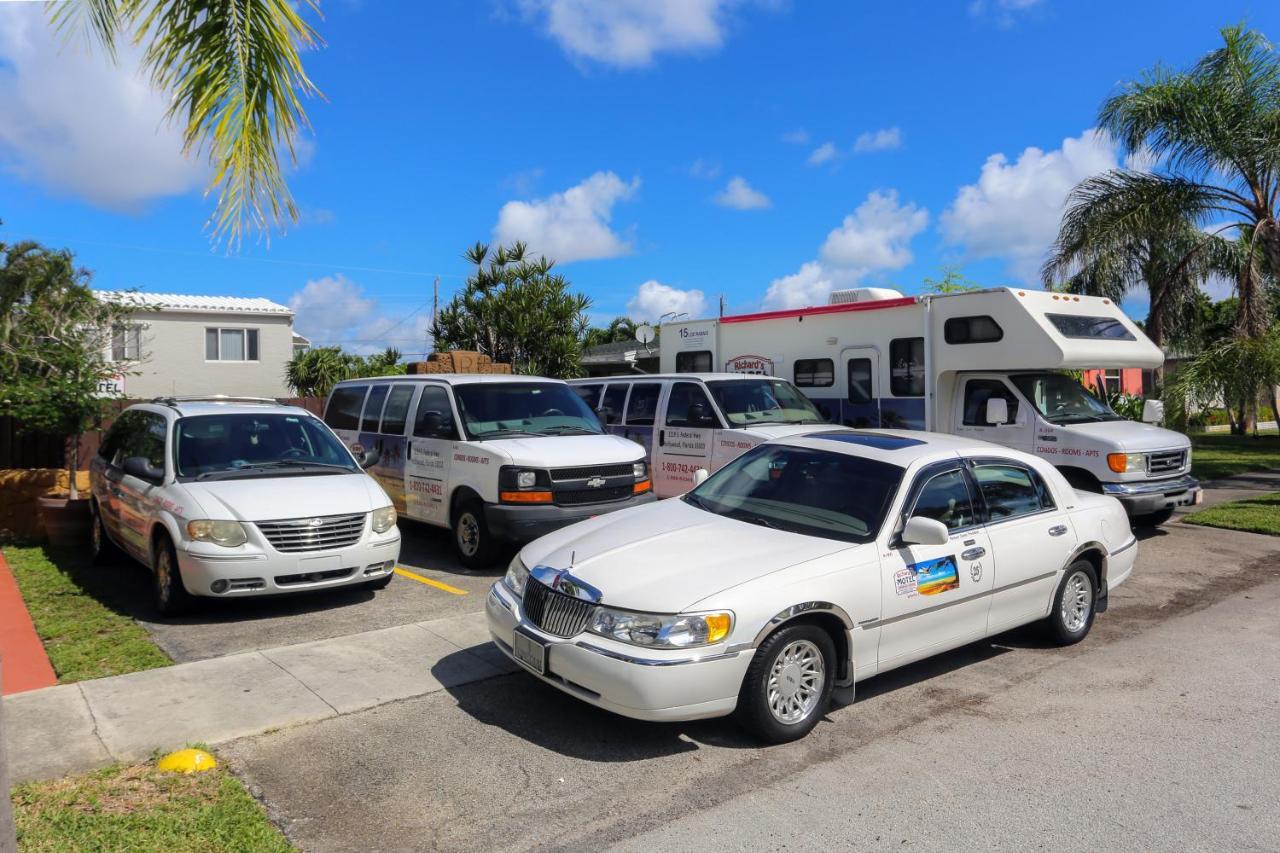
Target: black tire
380,583
172,598
1154,519
474,545
757,714
101,548
1065,626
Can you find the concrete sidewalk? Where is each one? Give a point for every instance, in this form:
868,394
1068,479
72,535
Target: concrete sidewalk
77,727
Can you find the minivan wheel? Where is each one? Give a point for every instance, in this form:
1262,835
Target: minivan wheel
1073,606
172,598
472,541
788,685
101,547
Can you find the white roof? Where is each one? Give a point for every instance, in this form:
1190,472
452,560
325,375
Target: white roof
448,378
903,447
646,377
213,406
184,302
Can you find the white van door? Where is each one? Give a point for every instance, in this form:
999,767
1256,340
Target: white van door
970,417
861,406
685,432
434,434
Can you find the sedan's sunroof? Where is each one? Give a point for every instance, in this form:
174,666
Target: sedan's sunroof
868,439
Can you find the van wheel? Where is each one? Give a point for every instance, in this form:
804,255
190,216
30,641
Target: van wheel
788,685
1073,606
172,598
474,544
102,549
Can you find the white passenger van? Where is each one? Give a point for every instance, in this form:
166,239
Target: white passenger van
493,457
700,421
984,364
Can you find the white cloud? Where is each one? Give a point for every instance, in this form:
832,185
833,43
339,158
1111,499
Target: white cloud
572,225
629,33
740,195
335,310
1014,209
75,122
796,137
653,299
876,237
1003,12
824,153
706,170
878,140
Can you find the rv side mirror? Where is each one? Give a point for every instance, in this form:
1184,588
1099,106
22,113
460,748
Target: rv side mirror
925,531
141,467
700,476
997,411
1153,412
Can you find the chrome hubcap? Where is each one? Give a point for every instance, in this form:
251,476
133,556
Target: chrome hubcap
795,682
1077,600
468,534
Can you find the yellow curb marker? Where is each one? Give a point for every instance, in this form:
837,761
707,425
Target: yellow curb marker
187,761
405,573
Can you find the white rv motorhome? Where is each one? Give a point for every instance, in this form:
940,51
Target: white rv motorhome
986,364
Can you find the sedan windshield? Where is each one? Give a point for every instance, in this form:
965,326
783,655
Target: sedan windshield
503,410
1062,400
813,492
248,445
747,402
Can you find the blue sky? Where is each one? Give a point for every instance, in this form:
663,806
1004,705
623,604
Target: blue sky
667,152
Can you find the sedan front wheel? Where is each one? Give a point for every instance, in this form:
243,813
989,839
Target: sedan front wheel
788,685
1073,606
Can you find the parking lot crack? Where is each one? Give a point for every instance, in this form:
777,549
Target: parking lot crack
308,687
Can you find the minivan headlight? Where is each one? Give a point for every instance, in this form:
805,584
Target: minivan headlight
384,519
517,575
662,631
228,534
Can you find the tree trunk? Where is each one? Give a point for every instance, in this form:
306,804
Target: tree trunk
73,467
1252,318
1275,408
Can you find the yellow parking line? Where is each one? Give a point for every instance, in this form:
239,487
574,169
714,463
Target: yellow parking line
405,573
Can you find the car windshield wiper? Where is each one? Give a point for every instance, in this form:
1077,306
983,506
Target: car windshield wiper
753,518
565,430
310,464
504,433
268,466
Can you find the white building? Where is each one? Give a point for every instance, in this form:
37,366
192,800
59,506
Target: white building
182,345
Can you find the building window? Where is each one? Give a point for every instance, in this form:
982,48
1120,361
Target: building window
906,373
230,344
126,343
694,362
815,372
972,330
1112,381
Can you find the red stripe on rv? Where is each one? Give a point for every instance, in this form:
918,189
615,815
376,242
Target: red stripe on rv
872,305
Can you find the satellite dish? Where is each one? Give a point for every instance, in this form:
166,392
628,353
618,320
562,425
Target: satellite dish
645,333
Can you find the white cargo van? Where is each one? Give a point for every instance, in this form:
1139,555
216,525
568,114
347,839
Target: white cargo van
699,421
986,364
493,457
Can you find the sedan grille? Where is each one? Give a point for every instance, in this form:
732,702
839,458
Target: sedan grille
557,614
1166,461
559,475
313,534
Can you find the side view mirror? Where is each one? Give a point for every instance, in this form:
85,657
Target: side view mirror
606,415
433,424
141,467
700,476
1153,412
997,411
925,531
370,457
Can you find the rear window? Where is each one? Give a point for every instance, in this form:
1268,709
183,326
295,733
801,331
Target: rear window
344,407
1094,328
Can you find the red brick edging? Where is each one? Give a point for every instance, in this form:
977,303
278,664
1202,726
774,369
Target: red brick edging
23,663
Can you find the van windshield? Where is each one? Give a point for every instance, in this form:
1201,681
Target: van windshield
1062,400
231,446
506,409
748,402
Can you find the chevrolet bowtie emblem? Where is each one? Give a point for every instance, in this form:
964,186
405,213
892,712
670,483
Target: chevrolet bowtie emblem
596,482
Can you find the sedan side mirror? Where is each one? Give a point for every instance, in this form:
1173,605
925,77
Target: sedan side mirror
141,467
370,457
925,531
700,476
1153,412
997,411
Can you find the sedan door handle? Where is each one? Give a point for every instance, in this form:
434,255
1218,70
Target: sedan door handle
973,554
1057,530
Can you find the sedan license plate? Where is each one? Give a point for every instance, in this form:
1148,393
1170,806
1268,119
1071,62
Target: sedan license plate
529,651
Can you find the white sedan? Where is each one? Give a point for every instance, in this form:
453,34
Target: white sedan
802,567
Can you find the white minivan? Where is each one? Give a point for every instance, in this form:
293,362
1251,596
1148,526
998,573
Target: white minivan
495,458
688,422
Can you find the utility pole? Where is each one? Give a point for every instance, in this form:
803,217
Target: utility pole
722,305
435,314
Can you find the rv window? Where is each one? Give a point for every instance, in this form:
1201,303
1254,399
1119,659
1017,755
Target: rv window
344,407
590,395
689,407
615,396
972,330
1106,328
694,362
373,408
906,372
397,410
643,404
860,380
976,394
815,372
435,414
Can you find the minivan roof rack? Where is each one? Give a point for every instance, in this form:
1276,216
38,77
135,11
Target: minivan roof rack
212,398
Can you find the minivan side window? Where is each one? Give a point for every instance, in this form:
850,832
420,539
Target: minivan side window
397,410
140,434
344,407
373,408
906,371
814,372
590,395
435,415
115,436
642,406
860,380
615,396
689,406
698,361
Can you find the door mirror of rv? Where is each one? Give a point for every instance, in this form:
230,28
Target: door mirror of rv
700,476
997,411
141,467
1153,412
925,531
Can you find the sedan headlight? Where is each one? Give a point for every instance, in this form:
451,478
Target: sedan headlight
228,534
1122,462
384,519
517,574
662,631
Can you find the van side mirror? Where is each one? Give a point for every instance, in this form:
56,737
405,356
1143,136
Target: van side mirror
925,531
141,467
1153,412
997,411
697,415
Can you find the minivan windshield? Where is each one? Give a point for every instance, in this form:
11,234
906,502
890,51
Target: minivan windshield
813,492
507,409
230,446
1062,400
748,402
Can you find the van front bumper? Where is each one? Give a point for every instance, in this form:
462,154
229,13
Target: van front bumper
521,524
1150,496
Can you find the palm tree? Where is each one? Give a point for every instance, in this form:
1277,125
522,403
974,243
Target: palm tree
237,81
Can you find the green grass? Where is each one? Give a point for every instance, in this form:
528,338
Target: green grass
80,612
1255,515
1214,456
140,808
